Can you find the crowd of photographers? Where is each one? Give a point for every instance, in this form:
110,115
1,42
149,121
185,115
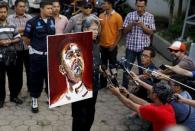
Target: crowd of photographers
163,95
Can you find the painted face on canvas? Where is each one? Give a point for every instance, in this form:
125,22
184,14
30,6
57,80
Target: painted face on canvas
72,62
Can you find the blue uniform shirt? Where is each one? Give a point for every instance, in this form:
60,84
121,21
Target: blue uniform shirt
37,30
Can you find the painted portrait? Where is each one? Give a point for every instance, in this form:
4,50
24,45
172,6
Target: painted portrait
70,68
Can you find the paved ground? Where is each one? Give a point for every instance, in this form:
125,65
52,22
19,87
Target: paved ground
111,115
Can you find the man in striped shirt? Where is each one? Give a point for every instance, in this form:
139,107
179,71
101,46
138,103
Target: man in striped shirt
19,20
138,27
9,37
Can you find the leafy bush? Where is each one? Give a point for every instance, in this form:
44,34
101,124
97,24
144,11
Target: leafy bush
174,31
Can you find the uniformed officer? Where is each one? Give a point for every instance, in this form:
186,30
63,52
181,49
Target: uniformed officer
75,22
36,31
9,37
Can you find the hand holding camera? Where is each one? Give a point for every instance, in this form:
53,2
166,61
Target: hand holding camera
115,91
124,92
119,91
179,98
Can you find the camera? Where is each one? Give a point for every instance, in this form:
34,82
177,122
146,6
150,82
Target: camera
9,58
163,67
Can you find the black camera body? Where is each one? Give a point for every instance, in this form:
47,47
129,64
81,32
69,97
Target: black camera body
8,56
163,67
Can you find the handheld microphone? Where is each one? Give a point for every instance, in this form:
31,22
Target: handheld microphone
122,63
110,77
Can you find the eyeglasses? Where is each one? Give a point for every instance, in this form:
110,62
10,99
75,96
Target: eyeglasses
87,7
144,55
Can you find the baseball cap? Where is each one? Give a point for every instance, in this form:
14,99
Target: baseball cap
178,46
85,3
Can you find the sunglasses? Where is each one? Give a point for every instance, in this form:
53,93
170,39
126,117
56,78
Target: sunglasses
88,7
175,51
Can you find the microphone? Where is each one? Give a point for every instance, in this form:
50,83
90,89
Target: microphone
152,72
122,64
110,76
122,61
113,69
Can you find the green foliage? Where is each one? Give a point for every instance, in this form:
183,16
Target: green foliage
191,33
123,9
174,31
171,2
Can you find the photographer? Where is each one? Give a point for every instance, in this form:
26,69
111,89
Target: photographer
184,114
159,113
8,38
183,72
180,59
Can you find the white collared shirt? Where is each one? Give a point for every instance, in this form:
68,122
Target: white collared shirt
79,92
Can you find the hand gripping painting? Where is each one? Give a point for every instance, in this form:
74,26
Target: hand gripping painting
70,68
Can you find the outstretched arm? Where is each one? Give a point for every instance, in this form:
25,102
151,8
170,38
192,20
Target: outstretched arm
142,83
132,97
180,70
127,102
181,99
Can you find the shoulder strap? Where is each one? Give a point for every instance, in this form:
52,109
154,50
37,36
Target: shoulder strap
189,112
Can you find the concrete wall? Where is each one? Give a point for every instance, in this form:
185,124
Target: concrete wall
161,45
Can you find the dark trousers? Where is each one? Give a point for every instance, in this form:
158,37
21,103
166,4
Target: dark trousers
131,56
22,59
83,113
108,58
37,74
10,70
